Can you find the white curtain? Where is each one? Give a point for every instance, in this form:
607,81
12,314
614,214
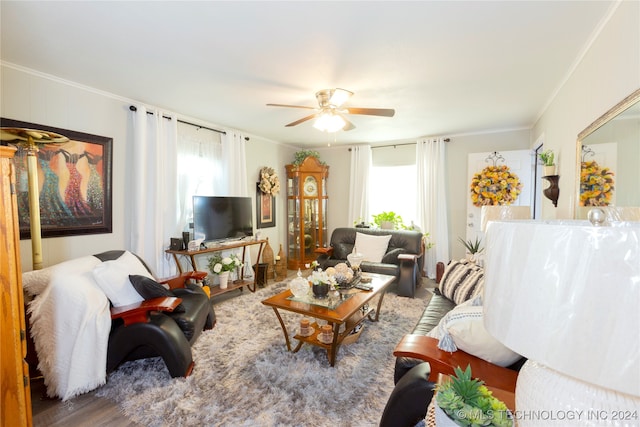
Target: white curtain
359,184
199,168
432,200
234,164
153,207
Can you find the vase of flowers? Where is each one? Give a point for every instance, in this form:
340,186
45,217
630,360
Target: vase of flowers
320,283
223,266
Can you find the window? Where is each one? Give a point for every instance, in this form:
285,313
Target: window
393,181
199,169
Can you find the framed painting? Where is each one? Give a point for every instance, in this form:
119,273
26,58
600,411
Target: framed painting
74,180
265,209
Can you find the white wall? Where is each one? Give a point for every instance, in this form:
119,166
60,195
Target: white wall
608,72
261,153
41,99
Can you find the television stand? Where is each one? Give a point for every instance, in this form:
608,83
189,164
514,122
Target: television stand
215,290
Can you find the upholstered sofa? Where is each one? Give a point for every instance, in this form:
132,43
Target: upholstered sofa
454,312
398,253
89,314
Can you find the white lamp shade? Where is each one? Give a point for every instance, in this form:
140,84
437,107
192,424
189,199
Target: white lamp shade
566,294
502,213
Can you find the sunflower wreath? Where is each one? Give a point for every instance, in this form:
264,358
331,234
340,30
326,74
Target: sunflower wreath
596,184
495,185
269,182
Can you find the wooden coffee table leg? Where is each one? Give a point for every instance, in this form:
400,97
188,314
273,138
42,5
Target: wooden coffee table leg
284,328
332,351
375,319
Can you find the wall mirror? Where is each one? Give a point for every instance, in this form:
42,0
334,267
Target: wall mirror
608,160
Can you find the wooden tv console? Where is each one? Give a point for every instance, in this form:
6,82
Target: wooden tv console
215,290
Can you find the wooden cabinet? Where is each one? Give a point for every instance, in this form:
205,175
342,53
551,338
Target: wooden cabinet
306,211
15,409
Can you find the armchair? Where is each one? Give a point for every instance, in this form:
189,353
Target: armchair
90,314
153,327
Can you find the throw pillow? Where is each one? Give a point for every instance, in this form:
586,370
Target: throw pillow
149,289
372,247
113,279
391,257
462,280
463,328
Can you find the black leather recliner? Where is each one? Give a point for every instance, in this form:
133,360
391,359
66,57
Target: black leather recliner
152,329
404,258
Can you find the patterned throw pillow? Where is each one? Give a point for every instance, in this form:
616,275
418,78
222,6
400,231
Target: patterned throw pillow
462,280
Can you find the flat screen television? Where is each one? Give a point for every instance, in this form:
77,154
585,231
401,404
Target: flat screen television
222,218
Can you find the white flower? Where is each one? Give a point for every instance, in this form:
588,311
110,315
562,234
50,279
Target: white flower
320,276
218,264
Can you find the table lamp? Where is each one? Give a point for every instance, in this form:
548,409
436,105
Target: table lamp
566,295
613,213
29,140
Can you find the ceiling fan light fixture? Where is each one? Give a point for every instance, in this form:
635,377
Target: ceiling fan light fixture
339,97
329,122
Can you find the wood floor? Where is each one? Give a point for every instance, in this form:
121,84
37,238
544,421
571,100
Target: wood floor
84,410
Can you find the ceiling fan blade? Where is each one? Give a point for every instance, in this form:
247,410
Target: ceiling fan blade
385,112
302,120
348,125
339,96
291,106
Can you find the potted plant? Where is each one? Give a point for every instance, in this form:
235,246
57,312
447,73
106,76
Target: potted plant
223,266
472,247
299,156
465,401
547,159
388,220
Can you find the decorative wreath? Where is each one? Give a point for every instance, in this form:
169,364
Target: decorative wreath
596,184
495,185
269,182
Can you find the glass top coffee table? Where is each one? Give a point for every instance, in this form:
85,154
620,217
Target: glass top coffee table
350,312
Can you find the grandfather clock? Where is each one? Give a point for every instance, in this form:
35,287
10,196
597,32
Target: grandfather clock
306,211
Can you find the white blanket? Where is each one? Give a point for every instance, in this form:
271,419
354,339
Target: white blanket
70,324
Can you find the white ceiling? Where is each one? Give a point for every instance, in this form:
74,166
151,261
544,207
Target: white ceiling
447,68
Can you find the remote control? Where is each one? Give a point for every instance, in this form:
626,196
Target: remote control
363,287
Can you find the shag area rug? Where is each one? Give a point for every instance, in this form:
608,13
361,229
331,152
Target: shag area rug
244,375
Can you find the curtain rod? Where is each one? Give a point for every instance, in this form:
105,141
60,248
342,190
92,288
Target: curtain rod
133,108
398,145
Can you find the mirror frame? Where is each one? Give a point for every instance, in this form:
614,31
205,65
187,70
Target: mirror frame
599,122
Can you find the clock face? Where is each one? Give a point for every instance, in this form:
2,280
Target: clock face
310,186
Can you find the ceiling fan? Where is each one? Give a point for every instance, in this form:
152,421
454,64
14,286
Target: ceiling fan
329,114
